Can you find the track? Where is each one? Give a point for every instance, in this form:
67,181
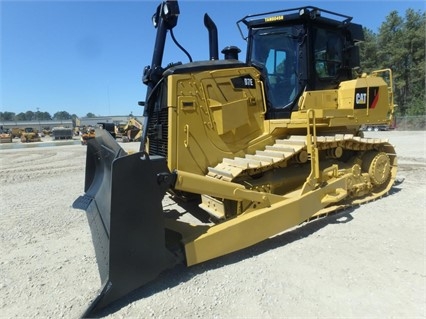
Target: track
294,150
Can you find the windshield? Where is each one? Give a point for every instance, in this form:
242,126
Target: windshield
276,51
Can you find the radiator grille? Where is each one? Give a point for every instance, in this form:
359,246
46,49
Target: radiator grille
158,133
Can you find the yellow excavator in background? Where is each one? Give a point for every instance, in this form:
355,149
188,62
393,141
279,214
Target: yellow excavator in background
132,131
244,149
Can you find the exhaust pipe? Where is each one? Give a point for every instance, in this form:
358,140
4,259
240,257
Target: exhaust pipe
213,40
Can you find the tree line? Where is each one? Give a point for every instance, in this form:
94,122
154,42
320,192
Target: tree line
39,116
399,45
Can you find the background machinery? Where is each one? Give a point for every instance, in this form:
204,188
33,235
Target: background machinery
5,135
110,127
245,150
87,134
132,132
62,133
16,132
30,135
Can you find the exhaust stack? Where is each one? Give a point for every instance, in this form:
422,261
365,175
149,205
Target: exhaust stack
213,39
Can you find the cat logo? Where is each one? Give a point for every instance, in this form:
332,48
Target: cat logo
361,98
366,97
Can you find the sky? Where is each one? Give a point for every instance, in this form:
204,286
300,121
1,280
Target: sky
89,56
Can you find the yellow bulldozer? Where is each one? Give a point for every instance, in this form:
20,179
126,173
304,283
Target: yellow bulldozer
29,135
243,149
5,135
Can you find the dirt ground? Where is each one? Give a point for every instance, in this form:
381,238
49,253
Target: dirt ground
368,261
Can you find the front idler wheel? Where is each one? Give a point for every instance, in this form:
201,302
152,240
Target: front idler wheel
377,165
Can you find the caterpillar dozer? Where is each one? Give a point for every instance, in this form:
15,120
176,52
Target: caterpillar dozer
5,135
241,150
30,135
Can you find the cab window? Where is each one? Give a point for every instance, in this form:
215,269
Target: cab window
276,50
328,53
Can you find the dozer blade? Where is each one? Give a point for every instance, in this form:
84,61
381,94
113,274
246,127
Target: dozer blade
123,205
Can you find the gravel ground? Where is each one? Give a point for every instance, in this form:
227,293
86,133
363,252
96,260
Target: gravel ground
367,261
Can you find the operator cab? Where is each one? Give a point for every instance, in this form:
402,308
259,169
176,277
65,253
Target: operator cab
299,50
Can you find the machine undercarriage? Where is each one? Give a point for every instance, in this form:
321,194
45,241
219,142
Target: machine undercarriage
283,168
